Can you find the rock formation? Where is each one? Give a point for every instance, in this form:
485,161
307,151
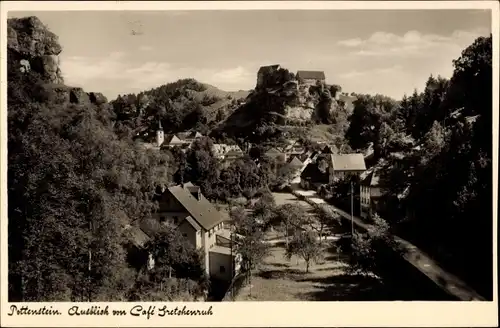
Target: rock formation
33,47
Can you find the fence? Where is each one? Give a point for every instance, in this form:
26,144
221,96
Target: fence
236,284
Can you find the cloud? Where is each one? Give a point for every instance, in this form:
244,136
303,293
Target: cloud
351,42
371,72
145,48
116,73
411,43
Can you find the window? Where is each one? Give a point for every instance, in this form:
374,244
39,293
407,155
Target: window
184,235
176,219
222,269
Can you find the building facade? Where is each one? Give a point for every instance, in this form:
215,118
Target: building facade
344,165
370,193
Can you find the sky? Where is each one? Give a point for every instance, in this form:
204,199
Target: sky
391,52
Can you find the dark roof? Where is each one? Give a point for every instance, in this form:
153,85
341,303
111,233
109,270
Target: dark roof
150,226
202,211
137,236
370,178
313,75
348,162
329,149
191,187
192,222
314,174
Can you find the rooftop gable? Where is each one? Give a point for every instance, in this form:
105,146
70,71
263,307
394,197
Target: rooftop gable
348,162
202,211
311,75
296,162
273,151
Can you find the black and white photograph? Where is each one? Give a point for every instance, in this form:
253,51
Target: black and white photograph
249,155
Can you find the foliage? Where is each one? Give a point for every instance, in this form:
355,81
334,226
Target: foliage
173,252
326,216
305,245
367,117
249,242
292,216
67,208
433,190
374,251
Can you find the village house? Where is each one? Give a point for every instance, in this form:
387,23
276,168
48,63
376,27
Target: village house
310,77
342,165
370,192
185,207
232,155
220,151
293,168
279,156
181,139
312,176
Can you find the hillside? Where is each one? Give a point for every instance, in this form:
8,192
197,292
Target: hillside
181,105
280,99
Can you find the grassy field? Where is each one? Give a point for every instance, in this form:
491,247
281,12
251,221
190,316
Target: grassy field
281,280
278,279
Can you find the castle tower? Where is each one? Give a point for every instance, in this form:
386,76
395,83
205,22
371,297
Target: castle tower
160,136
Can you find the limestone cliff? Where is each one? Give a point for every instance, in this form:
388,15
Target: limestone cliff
280,98
33,48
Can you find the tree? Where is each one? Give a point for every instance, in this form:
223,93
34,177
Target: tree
385,136
249,241
374,251
171,251
292,216
305,245
367,117
77,201
264,207
325,216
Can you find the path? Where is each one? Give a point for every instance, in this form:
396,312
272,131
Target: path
420,260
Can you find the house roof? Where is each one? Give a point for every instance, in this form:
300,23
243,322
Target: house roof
313,173
138,237
348,162
175,140
370,178
193,223
150,226
189,135
273,151
191,187
234,153
329,149
313,75
295,162
202,211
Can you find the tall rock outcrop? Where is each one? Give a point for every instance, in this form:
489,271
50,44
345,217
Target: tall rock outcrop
32,46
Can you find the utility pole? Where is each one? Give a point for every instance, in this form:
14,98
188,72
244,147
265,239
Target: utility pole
352,210
232,262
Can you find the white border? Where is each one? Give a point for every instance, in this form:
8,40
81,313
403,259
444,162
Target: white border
259,314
